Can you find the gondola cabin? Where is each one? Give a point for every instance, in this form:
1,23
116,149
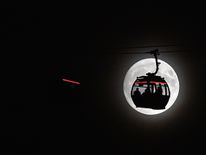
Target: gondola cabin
151,91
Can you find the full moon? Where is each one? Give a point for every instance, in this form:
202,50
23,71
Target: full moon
144,66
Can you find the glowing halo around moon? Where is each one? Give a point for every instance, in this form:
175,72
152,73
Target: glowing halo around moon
144,66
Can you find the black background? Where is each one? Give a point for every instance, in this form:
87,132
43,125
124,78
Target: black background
80,42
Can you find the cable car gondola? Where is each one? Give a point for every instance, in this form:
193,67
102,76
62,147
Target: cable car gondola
151,91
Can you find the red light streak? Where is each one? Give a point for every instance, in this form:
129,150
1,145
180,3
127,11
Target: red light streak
71,81
154,82
158,82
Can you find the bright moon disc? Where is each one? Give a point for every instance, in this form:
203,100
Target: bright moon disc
144,66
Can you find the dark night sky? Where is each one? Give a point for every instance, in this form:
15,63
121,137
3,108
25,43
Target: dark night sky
81,43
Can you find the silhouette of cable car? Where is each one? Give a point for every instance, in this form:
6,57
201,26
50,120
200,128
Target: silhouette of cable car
151,91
